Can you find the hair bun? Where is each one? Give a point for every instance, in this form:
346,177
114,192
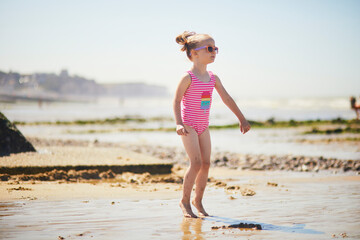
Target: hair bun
182,39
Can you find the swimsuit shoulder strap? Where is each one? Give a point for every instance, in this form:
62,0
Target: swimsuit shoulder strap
212,76
191,74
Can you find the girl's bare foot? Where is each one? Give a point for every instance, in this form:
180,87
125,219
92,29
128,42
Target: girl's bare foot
200,208
186,208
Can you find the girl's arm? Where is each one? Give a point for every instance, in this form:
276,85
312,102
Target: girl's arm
182,87
229,101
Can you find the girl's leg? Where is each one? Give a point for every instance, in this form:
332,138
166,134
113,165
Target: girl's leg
192,148
202,177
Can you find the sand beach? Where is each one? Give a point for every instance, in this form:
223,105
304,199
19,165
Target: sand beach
121,177
91,204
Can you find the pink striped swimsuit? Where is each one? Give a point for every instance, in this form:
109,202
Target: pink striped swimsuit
196,103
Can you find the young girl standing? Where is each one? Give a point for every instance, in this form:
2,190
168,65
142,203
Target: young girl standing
192,104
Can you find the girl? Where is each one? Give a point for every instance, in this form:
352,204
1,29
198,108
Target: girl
192,104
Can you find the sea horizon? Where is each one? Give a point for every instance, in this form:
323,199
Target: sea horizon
254,108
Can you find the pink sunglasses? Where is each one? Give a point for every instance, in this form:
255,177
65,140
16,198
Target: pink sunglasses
210,49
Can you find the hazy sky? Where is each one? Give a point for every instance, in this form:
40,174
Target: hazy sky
266,48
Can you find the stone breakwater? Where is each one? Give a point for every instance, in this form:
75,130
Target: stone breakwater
123,180
177,155
93,174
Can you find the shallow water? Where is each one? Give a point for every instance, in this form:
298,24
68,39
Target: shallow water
257,141
308,206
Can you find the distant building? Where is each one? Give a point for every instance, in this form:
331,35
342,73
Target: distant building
28,81
64,73
64,85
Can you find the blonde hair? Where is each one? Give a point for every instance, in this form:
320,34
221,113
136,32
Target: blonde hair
190,40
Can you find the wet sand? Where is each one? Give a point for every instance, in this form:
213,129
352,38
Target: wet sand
288,205
322,204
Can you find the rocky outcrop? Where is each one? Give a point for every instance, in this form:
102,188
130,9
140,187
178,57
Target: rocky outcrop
11,139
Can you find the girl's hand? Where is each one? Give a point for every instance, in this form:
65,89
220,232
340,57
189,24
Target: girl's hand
244,126
180,130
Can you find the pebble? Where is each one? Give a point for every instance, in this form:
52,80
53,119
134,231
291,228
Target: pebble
272,184
257,162
253,161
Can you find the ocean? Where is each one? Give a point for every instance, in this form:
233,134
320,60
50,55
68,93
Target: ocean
256,109
287,141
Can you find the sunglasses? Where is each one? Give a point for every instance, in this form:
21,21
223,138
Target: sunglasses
210,49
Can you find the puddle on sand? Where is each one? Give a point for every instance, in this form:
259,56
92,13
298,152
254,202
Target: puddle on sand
306,211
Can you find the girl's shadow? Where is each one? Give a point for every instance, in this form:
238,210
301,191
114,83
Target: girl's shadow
296,228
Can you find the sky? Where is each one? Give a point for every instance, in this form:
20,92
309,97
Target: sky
267,48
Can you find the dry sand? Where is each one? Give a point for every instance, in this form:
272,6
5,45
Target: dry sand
78,155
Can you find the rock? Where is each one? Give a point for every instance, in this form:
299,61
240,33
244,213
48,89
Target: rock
57,175
247,192
11,139
177,168
172,179
240,225
130,177
220,184
217,161
20,188
246,225
72,174
347,168
233,188
344,235
258,167
245,167
357,166
211,179
143,178
272,184
41,177
23,177
107,175
4,177
304,168
89,174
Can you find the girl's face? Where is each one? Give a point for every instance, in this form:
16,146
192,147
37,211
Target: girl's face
203,55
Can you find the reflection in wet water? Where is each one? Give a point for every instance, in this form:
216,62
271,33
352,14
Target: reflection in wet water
192,228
